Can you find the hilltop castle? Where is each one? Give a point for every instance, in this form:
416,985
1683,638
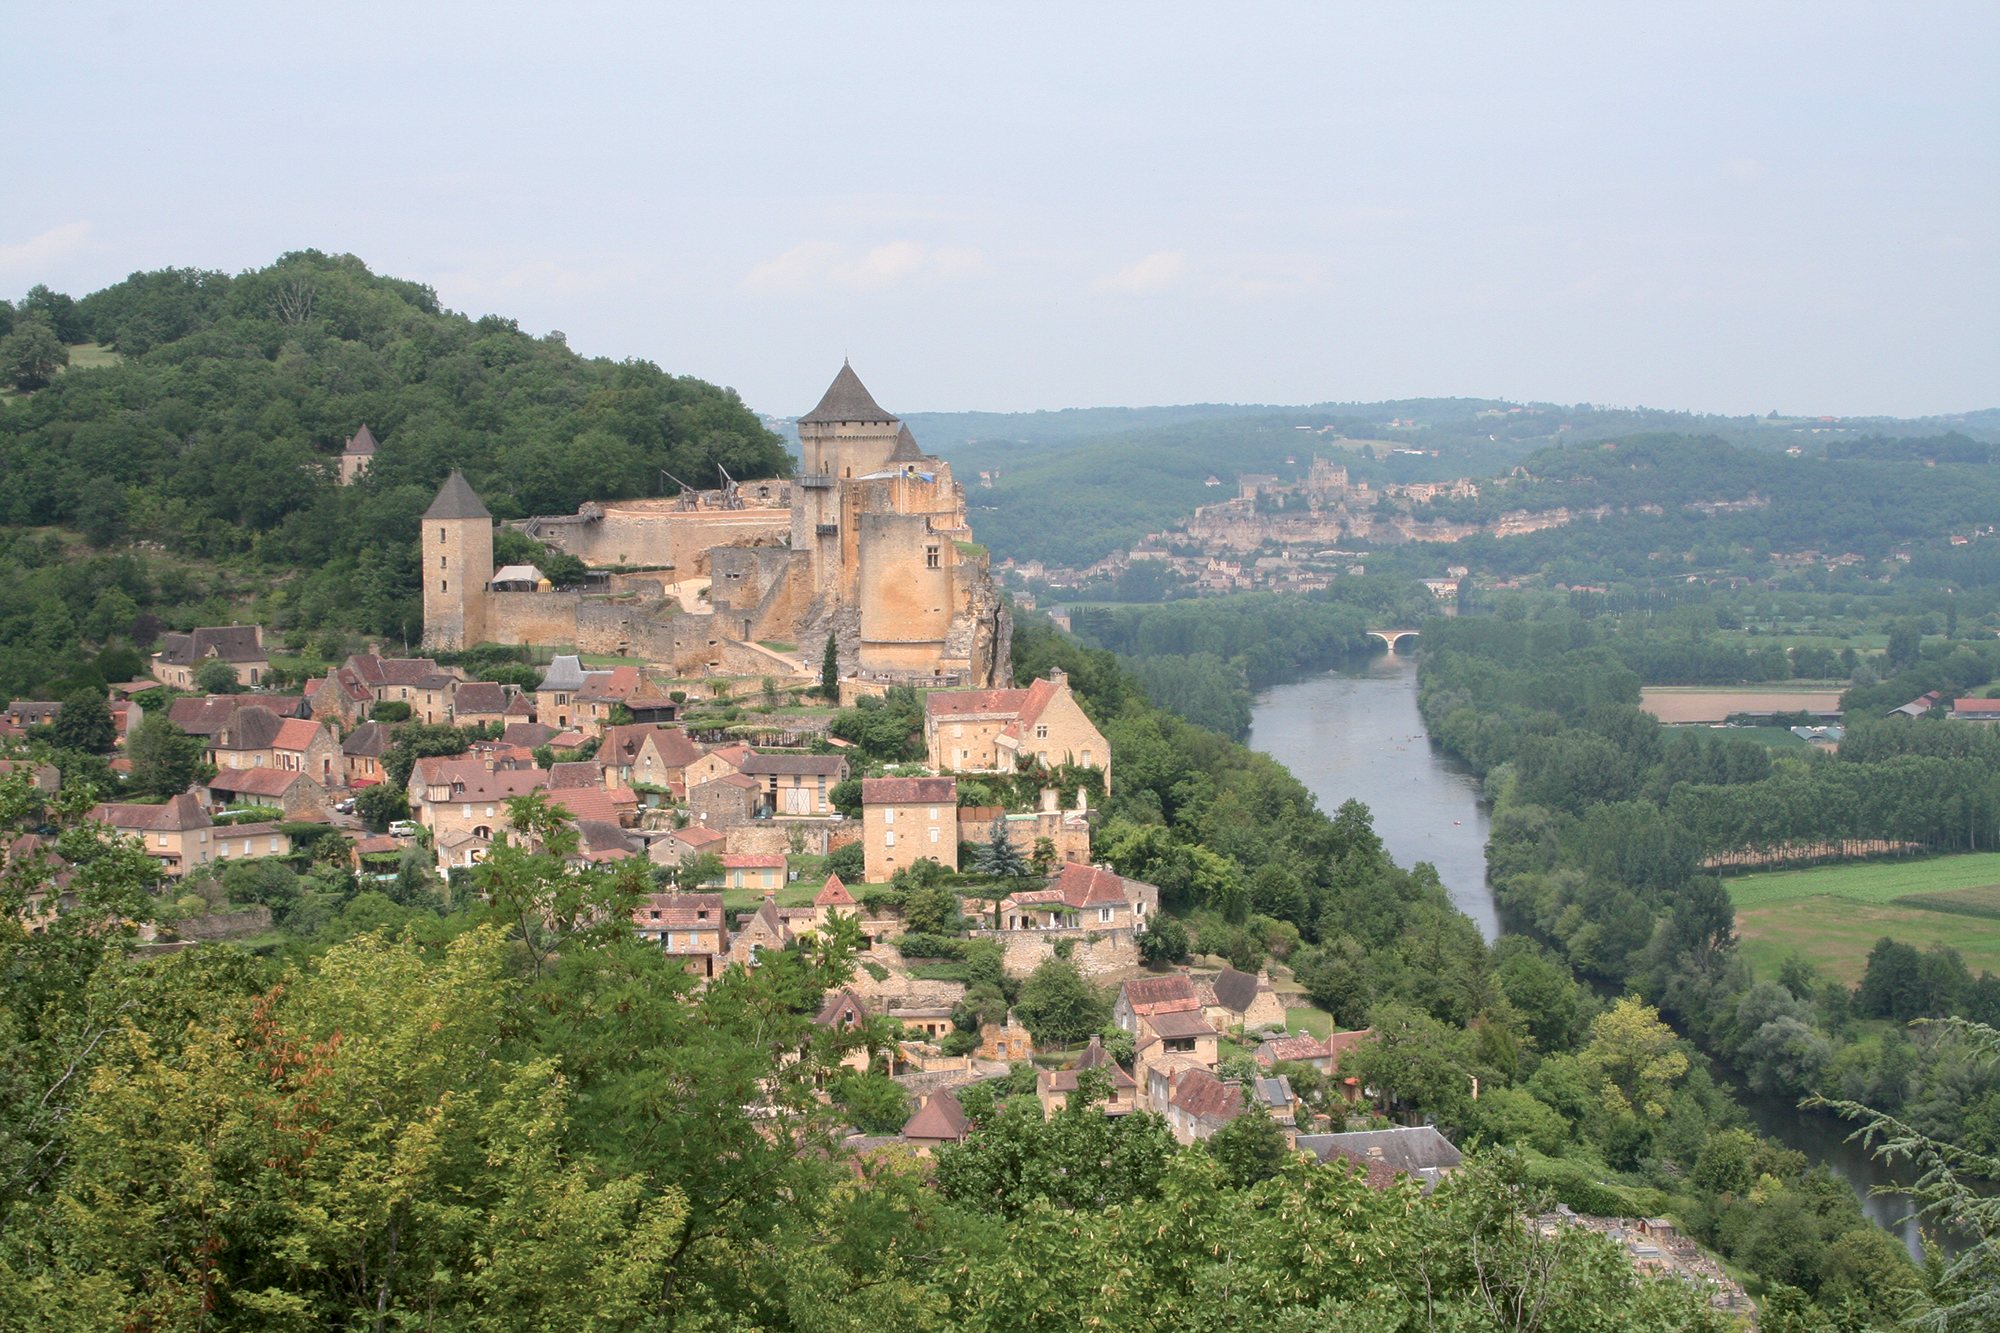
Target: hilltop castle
869,543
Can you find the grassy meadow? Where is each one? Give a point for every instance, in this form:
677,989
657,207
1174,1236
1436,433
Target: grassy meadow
1832,915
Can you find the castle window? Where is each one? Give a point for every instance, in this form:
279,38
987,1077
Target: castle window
443,586
930,557
444,562
440,536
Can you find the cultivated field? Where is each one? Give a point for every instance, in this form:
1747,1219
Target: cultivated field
1686,703
1832,915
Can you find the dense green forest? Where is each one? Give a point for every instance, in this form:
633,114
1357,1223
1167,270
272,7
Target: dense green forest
210,443
1603,821
1075,486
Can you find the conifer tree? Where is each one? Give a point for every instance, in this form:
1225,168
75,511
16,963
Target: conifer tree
829,670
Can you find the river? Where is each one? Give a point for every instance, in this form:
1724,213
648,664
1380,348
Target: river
1355,732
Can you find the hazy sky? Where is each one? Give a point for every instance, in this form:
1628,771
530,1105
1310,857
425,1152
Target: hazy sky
1732,207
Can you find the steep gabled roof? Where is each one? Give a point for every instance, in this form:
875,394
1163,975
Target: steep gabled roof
846,399
1090,886
1205,1097
1235,990
361,442
941,1119
843,1009
455,499
906,450
565,673
835,894
181,813
367,741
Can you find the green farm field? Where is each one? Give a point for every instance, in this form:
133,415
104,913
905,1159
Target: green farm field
1832,915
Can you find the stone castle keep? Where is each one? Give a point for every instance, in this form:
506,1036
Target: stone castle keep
869,543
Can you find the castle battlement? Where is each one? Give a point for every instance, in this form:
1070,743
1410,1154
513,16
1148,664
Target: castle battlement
864,546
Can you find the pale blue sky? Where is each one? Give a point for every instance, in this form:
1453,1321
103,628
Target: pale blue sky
1723,207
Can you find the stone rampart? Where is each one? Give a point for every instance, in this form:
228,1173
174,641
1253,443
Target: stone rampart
1096,953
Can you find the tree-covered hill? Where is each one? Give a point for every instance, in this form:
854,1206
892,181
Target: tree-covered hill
216,432
1075,486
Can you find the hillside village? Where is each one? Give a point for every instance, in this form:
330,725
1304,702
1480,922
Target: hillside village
633,755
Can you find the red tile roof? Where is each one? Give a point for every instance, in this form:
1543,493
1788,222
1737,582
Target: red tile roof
909,791
1148,995
940,1119
254,781
834,894
974,703
751,862
295,733
181,813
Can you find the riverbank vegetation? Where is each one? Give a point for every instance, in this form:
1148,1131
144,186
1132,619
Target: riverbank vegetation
1601,823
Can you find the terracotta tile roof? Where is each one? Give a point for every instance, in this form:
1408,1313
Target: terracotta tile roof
295,733
909,791
254,781
471,780
1094,1057
843,1008
1303,1047
529,734
679,911
748,861
181,813
1170,1023
484,697
974,703
577,773
1340,1043
1148,995
1204,1096
1088,886
939,1120
616,684
697,838
586,803
834,894
377,671
737,780
377,844
622,744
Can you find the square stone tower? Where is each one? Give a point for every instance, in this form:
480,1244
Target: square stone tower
455,560
848,435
